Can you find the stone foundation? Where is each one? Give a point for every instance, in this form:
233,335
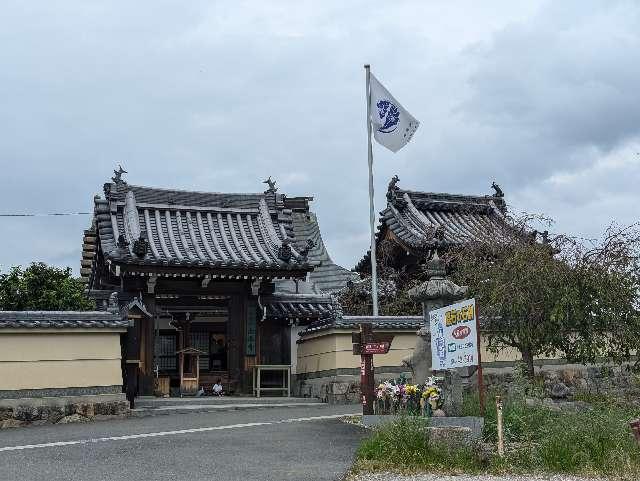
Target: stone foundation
343,386
339,387
61,410
561,381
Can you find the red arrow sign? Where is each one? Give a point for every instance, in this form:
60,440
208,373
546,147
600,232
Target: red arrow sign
376,348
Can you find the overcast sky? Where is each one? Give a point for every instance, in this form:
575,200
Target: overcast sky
541,97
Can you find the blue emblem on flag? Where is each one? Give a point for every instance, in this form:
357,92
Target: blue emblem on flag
390,114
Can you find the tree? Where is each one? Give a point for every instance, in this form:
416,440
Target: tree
40,287
393,297
393,287
559,296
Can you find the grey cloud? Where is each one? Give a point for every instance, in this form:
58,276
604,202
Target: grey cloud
219,95
564,80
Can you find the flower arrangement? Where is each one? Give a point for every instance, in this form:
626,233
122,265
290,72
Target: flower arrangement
398,395
432,394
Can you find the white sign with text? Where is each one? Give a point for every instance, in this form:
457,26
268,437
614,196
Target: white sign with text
454,336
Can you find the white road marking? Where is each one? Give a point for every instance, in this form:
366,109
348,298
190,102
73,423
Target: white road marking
167,433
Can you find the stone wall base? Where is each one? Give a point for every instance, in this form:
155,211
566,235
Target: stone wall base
566,380
338,387
556,379
61,410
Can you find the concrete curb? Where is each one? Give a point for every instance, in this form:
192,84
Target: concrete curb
205,408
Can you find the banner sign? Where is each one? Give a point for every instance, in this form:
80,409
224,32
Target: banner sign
250,331
454,336
376,348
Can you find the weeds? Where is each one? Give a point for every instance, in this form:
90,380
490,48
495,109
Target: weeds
405,444
597,442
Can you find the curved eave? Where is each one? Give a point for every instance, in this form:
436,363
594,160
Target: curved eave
199,269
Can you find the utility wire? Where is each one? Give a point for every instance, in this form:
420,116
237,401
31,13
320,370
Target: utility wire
46,214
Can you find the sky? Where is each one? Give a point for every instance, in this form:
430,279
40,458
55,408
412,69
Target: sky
538,96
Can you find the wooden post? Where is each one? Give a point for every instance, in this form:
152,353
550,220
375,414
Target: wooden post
635,428
197,372
366,371
258,385
500,426
480,378
132,355
235,340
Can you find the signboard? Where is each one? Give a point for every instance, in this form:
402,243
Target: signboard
376,348
250,332
454,336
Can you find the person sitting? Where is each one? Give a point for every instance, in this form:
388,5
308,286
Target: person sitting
218,390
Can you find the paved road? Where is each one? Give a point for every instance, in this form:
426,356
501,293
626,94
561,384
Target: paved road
300,443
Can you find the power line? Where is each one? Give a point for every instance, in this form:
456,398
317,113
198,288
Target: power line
46,214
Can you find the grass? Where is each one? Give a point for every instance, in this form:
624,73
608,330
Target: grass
404,444
597,442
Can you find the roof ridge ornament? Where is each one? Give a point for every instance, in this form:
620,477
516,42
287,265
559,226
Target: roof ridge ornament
122,242
117,178
498,190
141,245
394,196
112,305
272,186
284,251
393,188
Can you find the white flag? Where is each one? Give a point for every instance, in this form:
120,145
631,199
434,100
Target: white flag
392,125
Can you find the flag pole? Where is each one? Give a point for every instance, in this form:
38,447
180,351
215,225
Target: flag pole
372,216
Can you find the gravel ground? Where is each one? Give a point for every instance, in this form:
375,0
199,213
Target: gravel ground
439,477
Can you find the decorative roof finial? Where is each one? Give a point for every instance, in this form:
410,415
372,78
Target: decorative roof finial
393,187
122,243
545,237
141,245
117,179
284,251
113,303
272,186
498,190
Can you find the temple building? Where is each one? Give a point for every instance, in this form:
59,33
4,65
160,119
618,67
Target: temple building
212,284
216,285
415,224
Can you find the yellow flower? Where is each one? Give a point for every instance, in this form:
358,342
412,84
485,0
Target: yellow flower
411,389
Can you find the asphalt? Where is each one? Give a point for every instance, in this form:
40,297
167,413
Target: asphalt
278,443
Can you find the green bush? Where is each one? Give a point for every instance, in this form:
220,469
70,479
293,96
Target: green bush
597,442
404,444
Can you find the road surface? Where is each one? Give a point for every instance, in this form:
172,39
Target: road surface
294,443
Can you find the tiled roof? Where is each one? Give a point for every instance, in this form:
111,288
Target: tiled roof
299,307
60,320
327,276
299,301
420,221
189,229
88,252
377,322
